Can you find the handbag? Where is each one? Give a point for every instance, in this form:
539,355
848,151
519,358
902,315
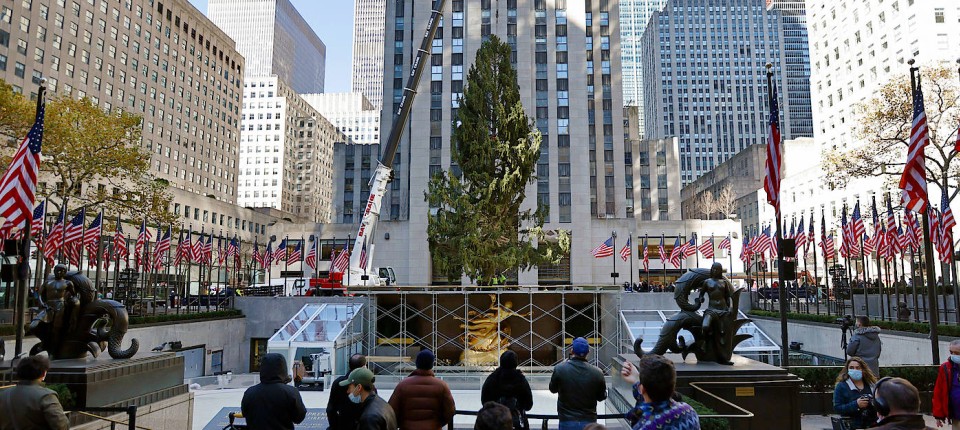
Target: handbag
841,423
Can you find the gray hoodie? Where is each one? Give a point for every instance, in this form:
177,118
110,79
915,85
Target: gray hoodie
866,344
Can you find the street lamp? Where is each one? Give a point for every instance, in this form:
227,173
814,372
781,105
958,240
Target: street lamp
614,274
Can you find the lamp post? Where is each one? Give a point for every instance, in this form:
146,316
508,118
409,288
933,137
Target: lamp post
614,274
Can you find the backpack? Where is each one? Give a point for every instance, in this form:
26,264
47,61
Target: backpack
520,421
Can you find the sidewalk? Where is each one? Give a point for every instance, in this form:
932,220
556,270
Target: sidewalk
819,422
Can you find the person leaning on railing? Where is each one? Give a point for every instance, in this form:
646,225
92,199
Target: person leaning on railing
29,405
853,393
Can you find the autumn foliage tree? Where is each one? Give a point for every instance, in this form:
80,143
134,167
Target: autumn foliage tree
90,157
478,228
884,126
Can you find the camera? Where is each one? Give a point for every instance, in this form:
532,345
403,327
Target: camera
846,322
867,397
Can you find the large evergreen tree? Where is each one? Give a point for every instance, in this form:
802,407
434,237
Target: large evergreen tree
478,227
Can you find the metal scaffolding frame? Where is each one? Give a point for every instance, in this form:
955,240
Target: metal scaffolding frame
401,323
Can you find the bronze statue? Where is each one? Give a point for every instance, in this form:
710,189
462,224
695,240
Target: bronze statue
485,337
72,322
714,333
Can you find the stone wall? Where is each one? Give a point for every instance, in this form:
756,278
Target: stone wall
175,413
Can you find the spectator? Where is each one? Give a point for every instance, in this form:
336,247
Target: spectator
272,404
946,391
579,386
342,414
898,406
421,401
28,405
507,386
851,396
375,413
654,385
493,416
866,344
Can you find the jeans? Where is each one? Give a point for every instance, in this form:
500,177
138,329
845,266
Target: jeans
574,425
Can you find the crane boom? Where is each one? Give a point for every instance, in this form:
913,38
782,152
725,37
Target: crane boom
363,247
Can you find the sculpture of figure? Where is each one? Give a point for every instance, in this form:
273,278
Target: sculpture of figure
485,336
715,333
72,322
60,303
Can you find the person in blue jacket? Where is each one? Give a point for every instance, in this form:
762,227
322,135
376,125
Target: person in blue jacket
854,390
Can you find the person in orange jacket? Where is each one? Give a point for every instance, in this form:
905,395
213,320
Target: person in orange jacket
946,391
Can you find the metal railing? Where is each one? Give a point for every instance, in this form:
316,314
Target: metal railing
544,417
131,412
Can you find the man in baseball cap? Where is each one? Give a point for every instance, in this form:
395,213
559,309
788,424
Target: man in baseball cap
375,413
579,385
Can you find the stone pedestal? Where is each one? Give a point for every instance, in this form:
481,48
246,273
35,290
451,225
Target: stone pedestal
768,392
117,383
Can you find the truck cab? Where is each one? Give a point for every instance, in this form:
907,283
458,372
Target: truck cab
387,276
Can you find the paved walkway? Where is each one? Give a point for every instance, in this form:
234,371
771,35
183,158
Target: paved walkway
207,403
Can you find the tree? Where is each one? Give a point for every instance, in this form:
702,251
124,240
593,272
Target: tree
478,227
91,156
885,123
724,202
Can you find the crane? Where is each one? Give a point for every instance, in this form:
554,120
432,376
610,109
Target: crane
363,247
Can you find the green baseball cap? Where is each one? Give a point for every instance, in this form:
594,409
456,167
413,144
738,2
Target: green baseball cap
360,375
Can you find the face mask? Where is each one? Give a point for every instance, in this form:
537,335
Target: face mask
355,398
855,374
955,359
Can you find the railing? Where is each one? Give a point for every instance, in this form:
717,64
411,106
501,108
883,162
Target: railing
545,418
131,412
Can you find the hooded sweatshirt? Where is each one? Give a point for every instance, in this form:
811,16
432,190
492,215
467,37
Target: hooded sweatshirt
866,344
272,404
507,382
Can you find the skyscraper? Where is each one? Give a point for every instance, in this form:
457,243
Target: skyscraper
570,88
274,39
796,53
368,27
705,81
634,16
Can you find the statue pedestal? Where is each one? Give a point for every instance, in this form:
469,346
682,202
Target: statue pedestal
770,393
117,383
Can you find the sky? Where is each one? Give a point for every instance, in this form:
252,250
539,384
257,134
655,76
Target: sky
333,22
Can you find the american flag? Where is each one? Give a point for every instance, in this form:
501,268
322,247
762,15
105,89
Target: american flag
296,254
256,252
956,146
312,255
604,249
801,238
363,256
627,250
745,252
19,182
725,243
893,240
267,257
646,255
811,235
143,241
280,254
869,244
74,229
39,218
771,182
947,223
233,248
883,246
846,235
661,252
55,239
333,259
859,228
765,243
690,248
343,261
208,249
676,255
829,249
237,244
917,236
707,248
913,182
934,218
770,241
120,242
902,241
160,252
197,251
92,236
221,253
183,249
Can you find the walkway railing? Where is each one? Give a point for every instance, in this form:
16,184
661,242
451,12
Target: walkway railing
545,418
131,412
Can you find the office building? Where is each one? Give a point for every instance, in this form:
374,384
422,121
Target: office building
796,54
274,39
634,16
286,151
368,26
357,155
655,180
705,82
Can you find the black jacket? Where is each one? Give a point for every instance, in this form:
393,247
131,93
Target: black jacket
506,382
902,422
272,404
342,414
579,385
376,414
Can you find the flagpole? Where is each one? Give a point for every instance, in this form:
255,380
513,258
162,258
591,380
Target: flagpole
663,262
928,252
896,279
646,266
714,250
24,259
630,244
877,241
784,336
816,278
40,254
730,252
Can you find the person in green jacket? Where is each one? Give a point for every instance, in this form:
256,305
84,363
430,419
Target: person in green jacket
30,405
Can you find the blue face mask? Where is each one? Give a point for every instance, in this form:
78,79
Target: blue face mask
955,359
855,374
355,398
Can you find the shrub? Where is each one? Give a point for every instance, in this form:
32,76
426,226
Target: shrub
67,399
819,379
906,326
707,423
162,318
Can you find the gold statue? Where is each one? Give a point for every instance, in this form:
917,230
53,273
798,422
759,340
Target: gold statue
485,337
